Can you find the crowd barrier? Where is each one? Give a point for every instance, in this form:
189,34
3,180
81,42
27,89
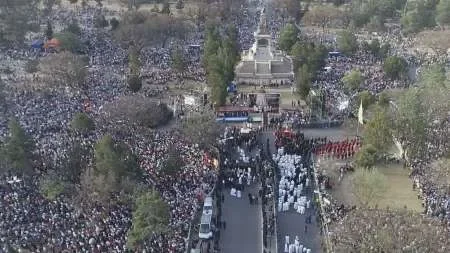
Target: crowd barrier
322,124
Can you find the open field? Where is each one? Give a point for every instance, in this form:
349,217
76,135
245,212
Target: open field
399,186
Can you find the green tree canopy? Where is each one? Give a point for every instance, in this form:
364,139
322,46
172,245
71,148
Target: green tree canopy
16,153
353,80
303,79
134,63
383,99
369,186
178,60
366,157
395,67
150,216
73,27
288,37
347,42
378,131
443,12
49,30
173,163
116,161
81,122
51,187
367,99
69,41
419,15
134,83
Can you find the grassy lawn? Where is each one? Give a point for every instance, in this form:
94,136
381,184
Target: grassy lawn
399,191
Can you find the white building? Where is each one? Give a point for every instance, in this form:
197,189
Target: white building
262,64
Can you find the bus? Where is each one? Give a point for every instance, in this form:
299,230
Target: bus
205,231
233,114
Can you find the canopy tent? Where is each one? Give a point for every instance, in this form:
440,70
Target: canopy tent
53,43
37,44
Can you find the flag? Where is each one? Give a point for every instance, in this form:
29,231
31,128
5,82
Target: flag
360,114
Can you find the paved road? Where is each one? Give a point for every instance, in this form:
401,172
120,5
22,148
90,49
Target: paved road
293,224
243,224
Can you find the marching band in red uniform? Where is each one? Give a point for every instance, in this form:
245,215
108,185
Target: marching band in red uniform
340,149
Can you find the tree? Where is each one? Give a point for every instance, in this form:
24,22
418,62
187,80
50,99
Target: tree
64,70
178,60
324,16
411,123
134,83
137,110
49,31
383,99
114,23
150,216
387,230
378,131
419,15
366,97
303,81
17,18
69,42
395,67
173,163
288,37
75,162
17,150
201,128
166,8
73,28
366,157
51,187
114,159
443,12
353,80
82,123
100,21
369,186
134,63
347,42
374,47
434,75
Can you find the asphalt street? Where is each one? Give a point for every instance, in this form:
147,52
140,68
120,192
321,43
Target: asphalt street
243,224
292,223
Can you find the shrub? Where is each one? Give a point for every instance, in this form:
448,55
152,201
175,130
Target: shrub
82,123
134,83
114,23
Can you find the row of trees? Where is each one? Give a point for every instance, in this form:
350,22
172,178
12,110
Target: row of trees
308,58
219,59
418,117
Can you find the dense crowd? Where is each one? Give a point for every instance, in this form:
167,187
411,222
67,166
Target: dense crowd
30,221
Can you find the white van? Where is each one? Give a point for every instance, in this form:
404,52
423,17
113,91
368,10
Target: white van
205,231
208,206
